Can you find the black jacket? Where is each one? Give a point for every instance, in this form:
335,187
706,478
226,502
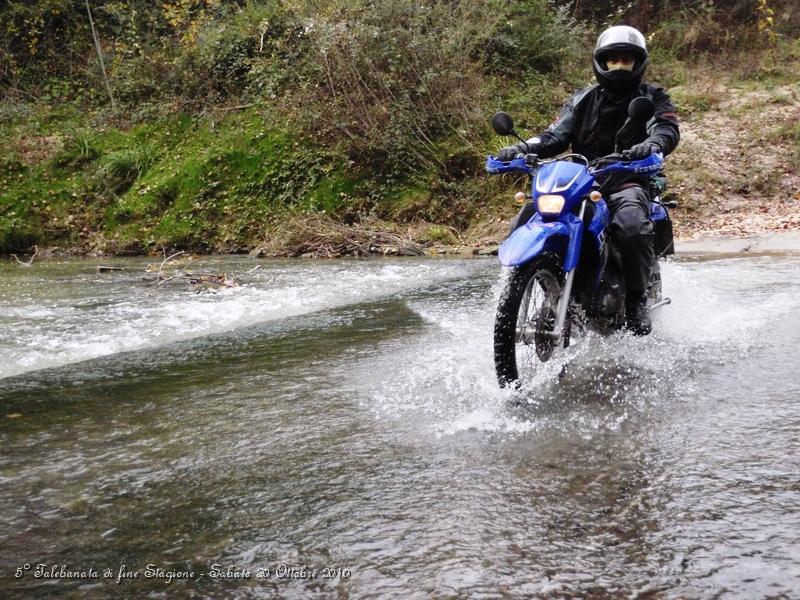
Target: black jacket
590,120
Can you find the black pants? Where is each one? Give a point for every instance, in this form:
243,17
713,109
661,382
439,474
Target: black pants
632,233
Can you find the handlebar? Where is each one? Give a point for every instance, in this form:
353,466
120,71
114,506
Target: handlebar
533,159
617,161
610,158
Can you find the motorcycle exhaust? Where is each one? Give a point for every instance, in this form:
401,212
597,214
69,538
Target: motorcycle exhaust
664,302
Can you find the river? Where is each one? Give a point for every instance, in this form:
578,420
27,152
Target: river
333,429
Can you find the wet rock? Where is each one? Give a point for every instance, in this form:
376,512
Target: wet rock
463,251
410,251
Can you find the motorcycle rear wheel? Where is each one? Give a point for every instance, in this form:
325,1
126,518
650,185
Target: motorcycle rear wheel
526,315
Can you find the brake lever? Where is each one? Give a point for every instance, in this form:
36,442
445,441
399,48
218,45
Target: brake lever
605,161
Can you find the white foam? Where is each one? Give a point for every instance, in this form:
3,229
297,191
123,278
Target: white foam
45,332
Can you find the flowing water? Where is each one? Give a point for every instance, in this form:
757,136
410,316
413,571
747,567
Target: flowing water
333,429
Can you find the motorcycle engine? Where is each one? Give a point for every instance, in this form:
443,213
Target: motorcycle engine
608,299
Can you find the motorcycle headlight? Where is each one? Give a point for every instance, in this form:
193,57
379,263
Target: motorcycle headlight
550,204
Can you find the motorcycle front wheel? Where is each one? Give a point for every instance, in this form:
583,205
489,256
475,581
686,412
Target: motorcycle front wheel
525,319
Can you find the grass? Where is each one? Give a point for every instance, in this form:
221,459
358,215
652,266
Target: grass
441,234
788,132
127,164
79,181
182,181
179,181
697,100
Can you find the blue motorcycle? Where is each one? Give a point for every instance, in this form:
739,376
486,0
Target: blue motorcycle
565,273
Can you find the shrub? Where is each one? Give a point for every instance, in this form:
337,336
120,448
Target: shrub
217,62
391,80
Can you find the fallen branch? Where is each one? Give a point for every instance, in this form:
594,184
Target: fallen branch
167,259
198,280
29,262
100,57
239,107
193,278
322,236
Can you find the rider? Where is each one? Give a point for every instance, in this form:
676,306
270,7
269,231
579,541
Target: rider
589,122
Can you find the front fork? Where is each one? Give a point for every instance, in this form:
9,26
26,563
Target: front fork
566,293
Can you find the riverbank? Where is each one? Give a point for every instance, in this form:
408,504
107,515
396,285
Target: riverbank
241,182
783,242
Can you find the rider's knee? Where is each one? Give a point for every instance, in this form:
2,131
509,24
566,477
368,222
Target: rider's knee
630,224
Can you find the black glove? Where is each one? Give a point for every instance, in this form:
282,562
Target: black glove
510,152
643,150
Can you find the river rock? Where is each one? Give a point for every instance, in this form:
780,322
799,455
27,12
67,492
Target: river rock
488,251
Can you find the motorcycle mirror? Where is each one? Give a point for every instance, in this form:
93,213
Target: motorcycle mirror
503,124
641,109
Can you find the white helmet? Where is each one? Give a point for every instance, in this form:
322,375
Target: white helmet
621,38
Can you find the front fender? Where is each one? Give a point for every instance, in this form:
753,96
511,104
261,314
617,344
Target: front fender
529,240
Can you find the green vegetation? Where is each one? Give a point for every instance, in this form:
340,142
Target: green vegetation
232,120
173,181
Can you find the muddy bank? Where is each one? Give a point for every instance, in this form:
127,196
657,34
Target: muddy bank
735,171
783,242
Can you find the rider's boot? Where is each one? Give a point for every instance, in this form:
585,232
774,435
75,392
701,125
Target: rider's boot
637,316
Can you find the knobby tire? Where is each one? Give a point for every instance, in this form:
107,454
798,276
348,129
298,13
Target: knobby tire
505,330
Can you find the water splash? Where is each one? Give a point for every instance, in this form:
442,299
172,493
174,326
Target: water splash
447,383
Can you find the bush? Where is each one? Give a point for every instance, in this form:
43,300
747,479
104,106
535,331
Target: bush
217,64
695,29
393,80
